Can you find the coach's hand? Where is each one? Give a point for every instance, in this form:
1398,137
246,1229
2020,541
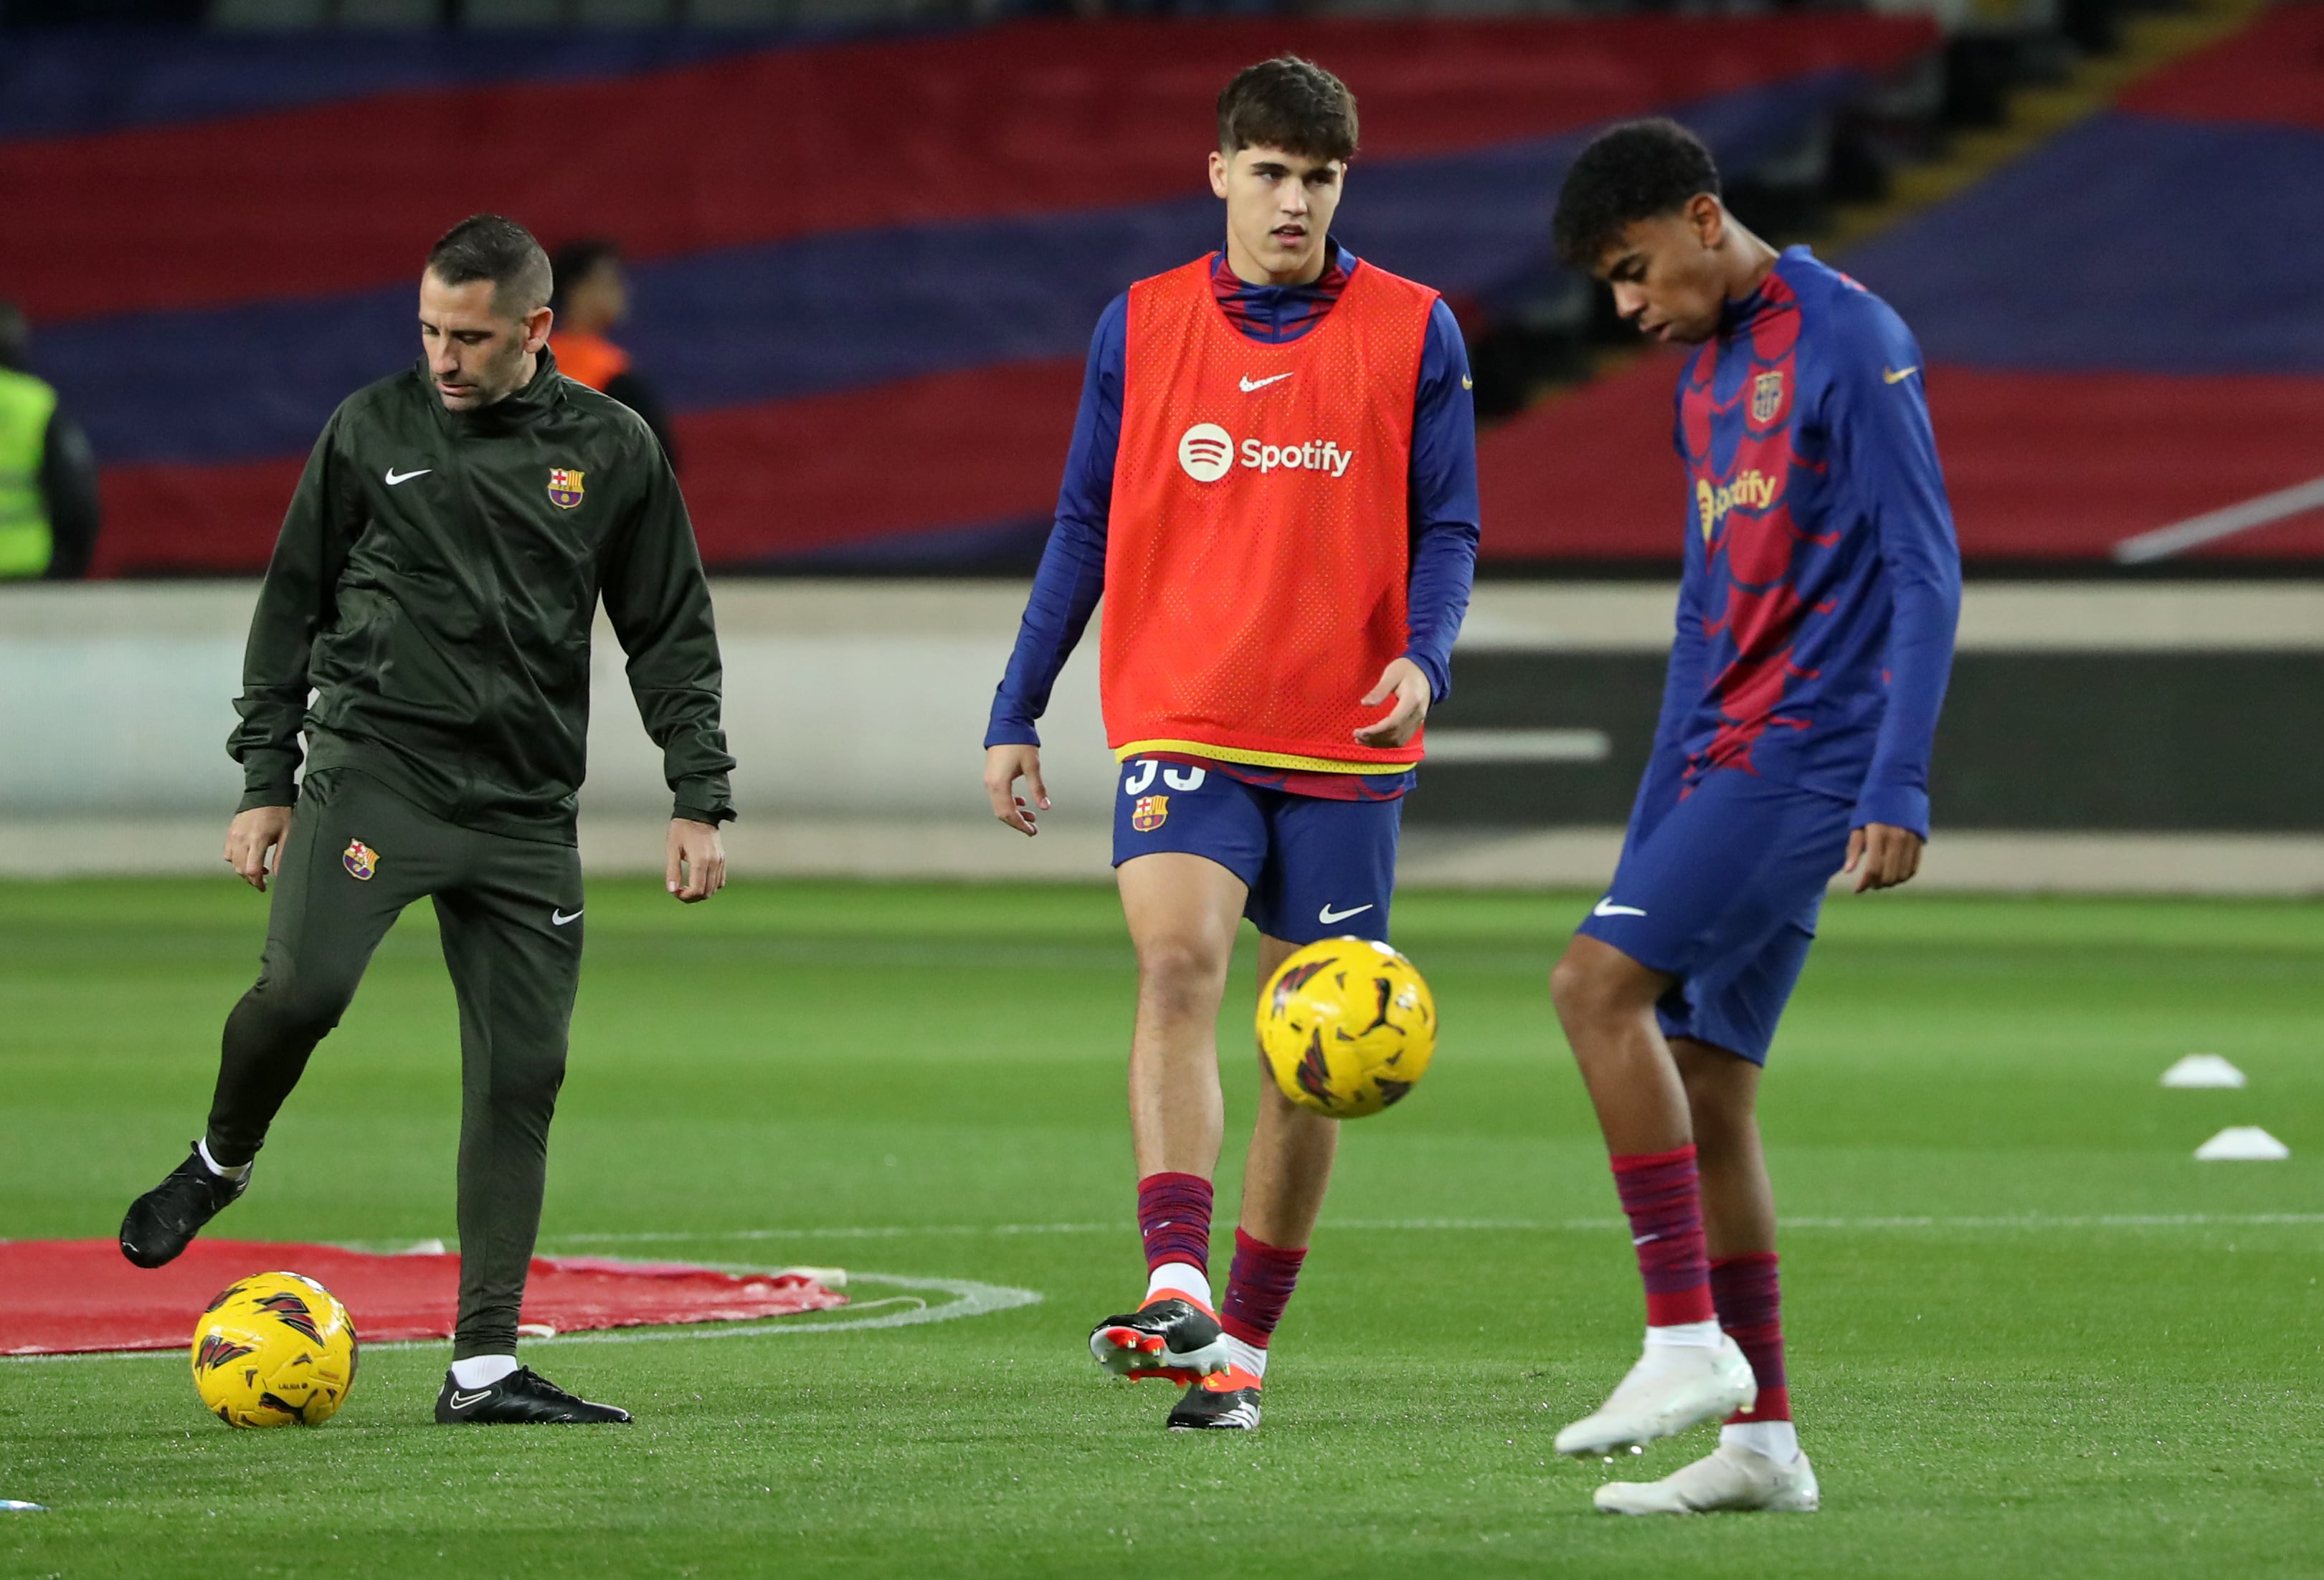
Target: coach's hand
249,836
1003,767
1888,855
694,863
1407,683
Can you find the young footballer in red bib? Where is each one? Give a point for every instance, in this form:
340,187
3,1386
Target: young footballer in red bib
1815,640
1272,484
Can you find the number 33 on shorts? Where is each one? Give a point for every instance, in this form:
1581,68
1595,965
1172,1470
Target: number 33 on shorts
1149,811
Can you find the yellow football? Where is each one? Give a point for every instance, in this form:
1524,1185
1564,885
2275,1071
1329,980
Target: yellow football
1347,1027
275,1349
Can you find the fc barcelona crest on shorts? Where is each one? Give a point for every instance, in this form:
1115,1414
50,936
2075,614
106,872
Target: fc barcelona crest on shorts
564,487
1767,395
361,858
1150,814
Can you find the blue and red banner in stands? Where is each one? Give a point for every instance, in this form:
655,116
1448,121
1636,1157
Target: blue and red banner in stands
2124,331
864,269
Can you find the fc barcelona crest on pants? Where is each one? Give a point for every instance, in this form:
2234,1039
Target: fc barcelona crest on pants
1767,395
361,858
1150,814
564,488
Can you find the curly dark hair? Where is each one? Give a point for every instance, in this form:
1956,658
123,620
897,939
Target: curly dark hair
1289,103
1633,171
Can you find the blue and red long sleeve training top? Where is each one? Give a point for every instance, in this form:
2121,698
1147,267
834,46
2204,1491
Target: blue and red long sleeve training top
1444,510
1823,584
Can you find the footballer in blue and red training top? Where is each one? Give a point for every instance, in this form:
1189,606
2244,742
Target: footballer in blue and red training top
1273,484
1814,637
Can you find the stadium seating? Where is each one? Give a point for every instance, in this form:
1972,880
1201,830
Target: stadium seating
2121,329
866,270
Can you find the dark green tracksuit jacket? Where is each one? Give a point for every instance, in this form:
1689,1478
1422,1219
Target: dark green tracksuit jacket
435,584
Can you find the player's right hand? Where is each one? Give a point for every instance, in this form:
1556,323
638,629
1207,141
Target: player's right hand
249,836
1003,767
1888,856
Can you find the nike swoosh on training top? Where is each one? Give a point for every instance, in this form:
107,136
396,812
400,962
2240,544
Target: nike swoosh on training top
395,477
1328,915
463,1401
558,918
1901,375
1467,382
1607,907
1249,383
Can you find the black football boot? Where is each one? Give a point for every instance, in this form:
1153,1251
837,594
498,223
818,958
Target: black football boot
522,1397
164,1222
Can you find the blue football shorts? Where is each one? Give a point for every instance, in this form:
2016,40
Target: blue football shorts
1316,869
1722,892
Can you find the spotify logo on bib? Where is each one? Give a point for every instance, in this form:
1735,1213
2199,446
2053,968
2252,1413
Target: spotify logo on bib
1206,451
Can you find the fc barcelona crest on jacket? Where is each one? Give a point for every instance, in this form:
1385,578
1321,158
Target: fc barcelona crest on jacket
1767,397
564,487
361,858
1149,814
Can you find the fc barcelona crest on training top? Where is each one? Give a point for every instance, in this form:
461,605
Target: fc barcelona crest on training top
1767,395
361,858
1150,814
564,488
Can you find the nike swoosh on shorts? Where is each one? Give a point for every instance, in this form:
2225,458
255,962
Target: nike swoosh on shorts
1328,915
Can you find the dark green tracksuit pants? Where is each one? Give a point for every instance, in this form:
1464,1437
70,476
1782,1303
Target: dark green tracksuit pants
509,909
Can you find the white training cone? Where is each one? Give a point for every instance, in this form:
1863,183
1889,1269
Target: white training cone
2202,1070
2242,1143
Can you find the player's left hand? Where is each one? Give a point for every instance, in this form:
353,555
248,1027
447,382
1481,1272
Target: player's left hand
1407,683
1888,855
694,868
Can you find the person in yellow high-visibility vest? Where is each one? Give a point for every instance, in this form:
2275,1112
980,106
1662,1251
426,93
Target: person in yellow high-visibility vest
49,512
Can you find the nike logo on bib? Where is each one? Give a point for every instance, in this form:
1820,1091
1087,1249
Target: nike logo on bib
1328,915
1607,907
1249,383
395,477
559,918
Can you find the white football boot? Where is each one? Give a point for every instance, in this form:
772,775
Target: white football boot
1731,1477
1671,1388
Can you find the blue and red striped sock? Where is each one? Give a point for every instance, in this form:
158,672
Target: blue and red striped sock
1751,1312
1259,1287
1173,1219
1663,1197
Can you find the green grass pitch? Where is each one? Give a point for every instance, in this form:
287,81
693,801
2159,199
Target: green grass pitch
2029,1333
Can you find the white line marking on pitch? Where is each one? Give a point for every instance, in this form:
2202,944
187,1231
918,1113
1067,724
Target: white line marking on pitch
970,1299
1570,1225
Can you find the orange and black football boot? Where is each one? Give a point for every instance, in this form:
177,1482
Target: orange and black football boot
1224,1401
1170,1336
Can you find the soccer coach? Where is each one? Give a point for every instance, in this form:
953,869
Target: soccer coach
434,588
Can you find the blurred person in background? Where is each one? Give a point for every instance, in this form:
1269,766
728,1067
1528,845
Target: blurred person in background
49,511
592,297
